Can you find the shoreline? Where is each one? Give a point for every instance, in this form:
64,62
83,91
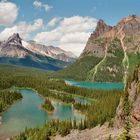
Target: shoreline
37,93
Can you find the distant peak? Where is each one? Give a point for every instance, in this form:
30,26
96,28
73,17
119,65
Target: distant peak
15,38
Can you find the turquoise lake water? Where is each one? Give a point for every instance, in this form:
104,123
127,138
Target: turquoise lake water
27,113
91,85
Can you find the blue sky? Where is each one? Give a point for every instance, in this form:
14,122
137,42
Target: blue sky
63,23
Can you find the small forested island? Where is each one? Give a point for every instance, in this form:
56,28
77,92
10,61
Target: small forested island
47,106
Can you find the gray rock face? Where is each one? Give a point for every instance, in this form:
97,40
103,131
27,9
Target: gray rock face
16,47
51,51
12,47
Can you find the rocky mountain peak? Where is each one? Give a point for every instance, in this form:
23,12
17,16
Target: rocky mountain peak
15,39
130,24
101,28
91,46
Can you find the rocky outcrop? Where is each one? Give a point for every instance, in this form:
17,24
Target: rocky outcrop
15,46
101,28
133,95
129,26
116,46
93,46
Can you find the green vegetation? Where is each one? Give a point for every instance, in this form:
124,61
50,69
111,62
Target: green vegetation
52,128
101,111
99,41
127,106
7,98
79,69
62,96
112,69
47,106
133,61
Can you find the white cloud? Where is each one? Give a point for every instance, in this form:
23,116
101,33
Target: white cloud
76,48
8,13
38,4
23,28
74,37
53,21
70,34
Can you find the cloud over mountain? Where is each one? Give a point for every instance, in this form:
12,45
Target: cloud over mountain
23,28
70,31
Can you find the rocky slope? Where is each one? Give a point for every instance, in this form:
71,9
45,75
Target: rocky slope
50,51
132,97
114,52
118,48
19,52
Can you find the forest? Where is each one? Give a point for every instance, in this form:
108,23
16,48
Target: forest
102,110
7,98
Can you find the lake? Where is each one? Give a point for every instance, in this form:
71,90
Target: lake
94,85
27,113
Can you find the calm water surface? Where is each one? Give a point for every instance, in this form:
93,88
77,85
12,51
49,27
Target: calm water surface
27,113
91,85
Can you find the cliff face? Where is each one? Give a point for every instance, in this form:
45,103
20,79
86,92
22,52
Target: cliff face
95,46
132,92
118,48
128,28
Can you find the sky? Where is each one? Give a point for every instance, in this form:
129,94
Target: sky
62,23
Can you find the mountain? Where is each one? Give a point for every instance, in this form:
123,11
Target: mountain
50,51
19,52
110,53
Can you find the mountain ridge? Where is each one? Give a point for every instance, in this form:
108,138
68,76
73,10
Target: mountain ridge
114,52
16,51
35,47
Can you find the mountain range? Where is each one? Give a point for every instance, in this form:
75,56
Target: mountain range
17,51
110,54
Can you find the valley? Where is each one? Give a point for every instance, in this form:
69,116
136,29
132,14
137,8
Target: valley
108,54
47,93
40,81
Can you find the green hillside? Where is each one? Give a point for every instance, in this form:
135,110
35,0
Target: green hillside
79,69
